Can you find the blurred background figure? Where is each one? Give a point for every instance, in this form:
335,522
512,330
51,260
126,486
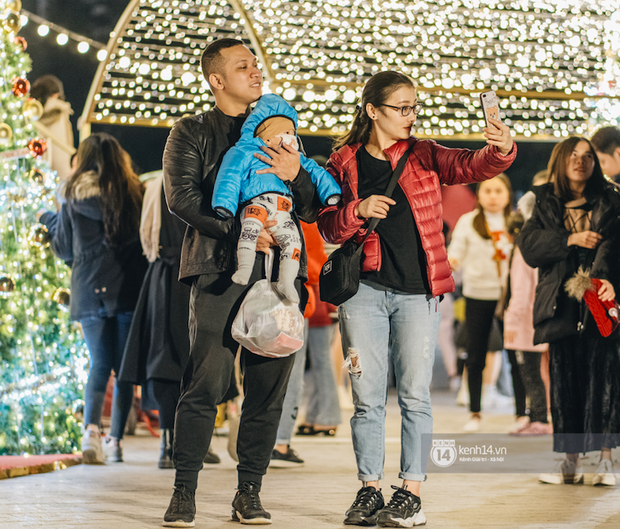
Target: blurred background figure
606,143
157,348
97,229
55,124
519,325
481,246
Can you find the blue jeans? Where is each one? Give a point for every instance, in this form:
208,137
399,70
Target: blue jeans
105,338
290,407
324,405
375,322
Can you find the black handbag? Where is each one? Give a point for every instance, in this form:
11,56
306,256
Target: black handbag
340,275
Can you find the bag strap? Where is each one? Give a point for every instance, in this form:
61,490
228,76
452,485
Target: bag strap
388,192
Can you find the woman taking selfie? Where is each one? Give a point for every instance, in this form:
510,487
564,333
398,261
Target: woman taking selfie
405,271
575,225
97,230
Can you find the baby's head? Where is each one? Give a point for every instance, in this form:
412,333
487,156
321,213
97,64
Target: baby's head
276,130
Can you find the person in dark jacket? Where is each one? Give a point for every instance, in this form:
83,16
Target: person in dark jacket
606,143
157,347
97,230
575,224
404,273
192,157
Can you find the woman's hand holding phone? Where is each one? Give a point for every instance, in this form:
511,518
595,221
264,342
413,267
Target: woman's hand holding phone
499,135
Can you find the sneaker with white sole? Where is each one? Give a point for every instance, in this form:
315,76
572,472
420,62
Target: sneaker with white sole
182,509
92,451
403,510
288,459
247,507
473,425
604,474
113,450
564,472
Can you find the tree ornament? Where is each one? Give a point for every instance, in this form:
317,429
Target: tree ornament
39,236
37,147
62,296
6,133
11,22
21,42
32,109
36,175
21,86
14,5
7,285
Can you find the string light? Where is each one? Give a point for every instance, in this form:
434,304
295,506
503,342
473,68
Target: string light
539,55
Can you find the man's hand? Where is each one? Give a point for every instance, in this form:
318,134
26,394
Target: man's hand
265,240
284,161
606,292
499,135
585,239
374,206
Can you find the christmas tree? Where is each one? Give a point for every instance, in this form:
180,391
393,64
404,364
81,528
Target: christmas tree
42,356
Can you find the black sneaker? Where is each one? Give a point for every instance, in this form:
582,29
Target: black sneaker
403,510
367,504
182,508
247,507
287,460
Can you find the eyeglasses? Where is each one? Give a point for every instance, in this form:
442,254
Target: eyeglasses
406,110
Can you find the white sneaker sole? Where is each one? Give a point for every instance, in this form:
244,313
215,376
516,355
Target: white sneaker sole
179,523
417,519
279,463
558,479
236,516
605,479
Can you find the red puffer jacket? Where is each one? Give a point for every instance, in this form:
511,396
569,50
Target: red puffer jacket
429,166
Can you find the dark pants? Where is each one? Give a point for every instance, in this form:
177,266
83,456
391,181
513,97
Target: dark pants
105,338
214,302
529,367
478,320
166,394
517,383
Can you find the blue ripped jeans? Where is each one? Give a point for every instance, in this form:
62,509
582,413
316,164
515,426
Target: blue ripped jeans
374,321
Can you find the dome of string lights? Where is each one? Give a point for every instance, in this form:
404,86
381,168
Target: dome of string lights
540,56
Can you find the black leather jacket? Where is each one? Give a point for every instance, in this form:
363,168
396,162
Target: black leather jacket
192,157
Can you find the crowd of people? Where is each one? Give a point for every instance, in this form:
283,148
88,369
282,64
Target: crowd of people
159,271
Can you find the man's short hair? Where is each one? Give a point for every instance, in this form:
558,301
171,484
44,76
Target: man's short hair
606,140
212,60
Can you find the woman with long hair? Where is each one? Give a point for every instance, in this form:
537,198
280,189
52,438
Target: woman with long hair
480,245
574,236
405,271
97,232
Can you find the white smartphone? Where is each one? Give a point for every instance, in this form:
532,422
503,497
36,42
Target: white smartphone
490,106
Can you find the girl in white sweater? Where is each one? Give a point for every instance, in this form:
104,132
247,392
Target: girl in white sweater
481,247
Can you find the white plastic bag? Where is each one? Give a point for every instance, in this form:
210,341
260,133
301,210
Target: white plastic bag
267,324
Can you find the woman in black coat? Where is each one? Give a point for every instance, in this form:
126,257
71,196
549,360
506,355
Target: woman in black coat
97,230
157,349
575,224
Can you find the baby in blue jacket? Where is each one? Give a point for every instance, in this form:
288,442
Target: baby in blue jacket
264,196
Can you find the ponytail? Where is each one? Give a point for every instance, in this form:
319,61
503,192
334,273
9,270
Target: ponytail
377,91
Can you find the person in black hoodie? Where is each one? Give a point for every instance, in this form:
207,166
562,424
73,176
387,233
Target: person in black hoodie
575,224
96,230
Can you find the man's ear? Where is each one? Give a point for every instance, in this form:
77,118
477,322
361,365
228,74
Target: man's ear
216,81
616,154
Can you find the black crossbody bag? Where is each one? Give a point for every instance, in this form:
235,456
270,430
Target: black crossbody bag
340,275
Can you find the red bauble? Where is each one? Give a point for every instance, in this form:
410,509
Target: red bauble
37,147
21,42
21,86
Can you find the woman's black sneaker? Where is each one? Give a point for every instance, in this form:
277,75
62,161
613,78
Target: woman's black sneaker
247,507
367,504
288,459
182,508
403,510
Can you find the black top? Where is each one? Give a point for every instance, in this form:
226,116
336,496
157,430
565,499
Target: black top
403,261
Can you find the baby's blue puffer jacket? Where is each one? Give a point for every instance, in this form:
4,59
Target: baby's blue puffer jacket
237,181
